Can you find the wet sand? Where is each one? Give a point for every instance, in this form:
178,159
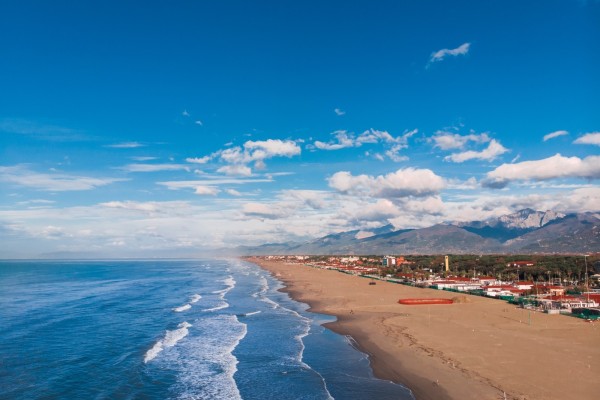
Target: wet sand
479,349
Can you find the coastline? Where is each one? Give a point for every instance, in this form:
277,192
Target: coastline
478,349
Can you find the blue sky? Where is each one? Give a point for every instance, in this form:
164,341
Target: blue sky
152,128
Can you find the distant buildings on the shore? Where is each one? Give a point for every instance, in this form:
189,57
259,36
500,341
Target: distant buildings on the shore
548,296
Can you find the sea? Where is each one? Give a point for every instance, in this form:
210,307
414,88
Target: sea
169,329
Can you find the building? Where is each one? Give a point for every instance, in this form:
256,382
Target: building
520,264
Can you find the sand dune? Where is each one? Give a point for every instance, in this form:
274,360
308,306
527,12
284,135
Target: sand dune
476,349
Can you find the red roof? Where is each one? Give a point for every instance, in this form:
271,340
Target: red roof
498,287
564,297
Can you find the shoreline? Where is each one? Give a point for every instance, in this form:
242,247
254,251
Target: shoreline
477,349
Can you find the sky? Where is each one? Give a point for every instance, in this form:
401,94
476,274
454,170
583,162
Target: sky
134,129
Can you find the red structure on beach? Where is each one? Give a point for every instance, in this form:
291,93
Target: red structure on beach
416,302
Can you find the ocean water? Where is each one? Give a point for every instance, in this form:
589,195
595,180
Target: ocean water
194,329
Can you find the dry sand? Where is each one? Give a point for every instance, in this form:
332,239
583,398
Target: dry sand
478,349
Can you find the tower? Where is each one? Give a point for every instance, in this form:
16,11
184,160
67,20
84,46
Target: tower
446,263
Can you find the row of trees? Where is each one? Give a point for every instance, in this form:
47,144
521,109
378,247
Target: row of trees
546,268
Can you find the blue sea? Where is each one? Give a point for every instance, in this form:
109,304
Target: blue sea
193,329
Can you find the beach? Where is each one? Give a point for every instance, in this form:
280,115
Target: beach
477,348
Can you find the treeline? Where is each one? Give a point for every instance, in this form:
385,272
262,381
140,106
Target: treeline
564,267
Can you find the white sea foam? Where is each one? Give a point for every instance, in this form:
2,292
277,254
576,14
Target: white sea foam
206,365
267,300
252,313
195,298
182,308
230,283
169,340
264,286
221,306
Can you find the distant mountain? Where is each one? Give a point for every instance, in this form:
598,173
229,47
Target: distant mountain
511,226
573,233
526,231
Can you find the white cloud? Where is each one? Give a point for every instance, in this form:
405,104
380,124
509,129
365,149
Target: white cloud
148,207
125,145
55,182
382,209
393,155
457,184
263,149
42,131
185,113
342,141
363,235
154,167
207,190
143,158
402,183
260,210
311,198
254,151
441,54
555,135
493,150
235,170
175,185
233,192
553,167
198,160
198,122
339,112
589,138
39,202
448,141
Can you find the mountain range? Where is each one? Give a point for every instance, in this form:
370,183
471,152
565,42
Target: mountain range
525,232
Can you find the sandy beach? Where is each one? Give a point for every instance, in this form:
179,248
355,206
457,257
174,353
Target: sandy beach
478,349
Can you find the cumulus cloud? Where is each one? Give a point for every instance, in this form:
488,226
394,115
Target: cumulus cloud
235,170
198,160
339,112
555,135
154,167
493,150
449,141
263,149
251,152
343,140
206,190
553,167
382,209
589,138
439,55
55,182
402,183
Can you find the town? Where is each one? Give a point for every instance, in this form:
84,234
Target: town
552,284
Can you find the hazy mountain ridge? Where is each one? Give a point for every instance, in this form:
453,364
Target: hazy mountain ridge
526,231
